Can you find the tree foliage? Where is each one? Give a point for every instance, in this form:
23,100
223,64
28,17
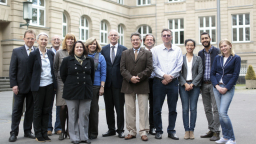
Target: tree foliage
250,75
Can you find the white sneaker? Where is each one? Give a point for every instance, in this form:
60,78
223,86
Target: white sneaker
231,142
221,141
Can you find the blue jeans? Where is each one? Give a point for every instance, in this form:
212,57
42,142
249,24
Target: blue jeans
57,125
189,101
223,103
159,94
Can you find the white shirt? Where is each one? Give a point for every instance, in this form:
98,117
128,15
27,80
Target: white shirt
189,69
224,61
53,50
115,49
27,49
46,76
152,74
167,61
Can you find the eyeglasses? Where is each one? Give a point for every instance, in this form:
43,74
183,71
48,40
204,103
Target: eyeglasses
135,40
149,40
113,35
166,35
56,40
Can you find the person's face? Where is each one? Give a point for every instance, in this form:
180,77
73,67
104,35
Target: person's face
149,42
42,41
205,40
79,50
136,42
225,48
190,47
113,37
167,37
56,41
92,47
29,39
70,42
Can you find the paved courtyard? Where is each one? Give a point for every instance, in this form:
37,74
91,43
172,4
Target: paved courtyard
242,113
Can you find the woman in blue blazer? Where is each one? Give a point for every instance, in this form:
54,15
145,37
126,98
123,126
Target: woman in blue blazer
224,74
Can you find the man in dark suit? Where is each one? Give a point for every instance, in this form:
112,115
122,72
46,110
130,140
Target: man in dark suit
20,84
113,96
211,111
136,67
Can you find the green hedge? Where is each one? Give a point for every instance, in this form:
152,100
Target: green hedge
250,75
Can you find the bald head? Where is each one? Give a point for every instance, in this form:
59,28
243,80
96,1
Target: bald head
56,41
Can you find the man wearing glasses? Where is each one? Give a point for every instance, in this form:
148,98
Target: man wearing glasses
167,63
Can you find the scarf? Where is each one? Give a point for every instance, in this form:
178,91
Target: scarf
80,59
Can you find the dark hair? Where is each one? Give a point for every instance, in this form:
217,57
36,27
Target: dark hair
165,29
72,51
149,35
205,33
135,34
29,31
187,40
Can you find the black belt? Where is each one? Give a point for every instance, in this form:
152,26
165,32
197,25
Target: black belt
189,81
207,82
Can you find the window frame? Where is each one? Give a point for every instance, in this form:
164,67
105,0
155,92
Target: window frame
210,28
1,3
148,2
173,1
38,9
85,28
64,24
177,30
104,31
121,35
120,1
142,35
240,26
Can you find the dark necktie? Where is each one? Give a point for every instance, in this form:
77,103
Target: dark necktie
113,54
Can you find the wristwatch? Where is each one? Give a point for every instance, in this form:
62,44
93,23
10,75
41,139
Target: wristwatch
102,86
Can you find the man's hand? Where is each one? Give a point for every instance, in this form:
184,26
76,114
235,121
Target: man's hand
135,79
101,92
168,78
15,90
164,82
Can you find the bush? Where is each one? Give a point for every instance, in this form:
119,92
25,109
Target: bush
250,75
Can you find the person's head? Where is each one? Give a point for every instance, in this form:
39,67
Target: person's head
166,35
226,47
149,41
56,41
42,40
113,36
29,38
92,45
68,41
136,40
190,45
78,49
205,39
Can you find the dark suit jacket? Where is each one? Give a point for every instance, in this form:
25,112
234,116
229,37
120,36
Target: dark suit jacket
142,68
114,76
18,71
78,79
197,71
35,66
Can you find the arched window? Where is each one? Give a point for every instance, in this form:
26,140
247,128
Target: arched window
121,34
84,29
64,26
103,32
143,30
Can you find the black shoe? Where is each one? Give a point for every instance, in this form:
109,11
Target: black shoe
75,142
158,135
207,135
92,137
40,139
121,135
61,136
109,133
13,137
152,131
46,138
29,135
215,137
173,136
86,141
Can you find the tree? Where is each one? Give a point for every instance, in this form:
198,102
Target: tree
250,75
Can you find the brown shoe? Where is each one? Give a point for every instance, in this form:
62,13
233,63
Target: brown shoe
49,133
207,135
129,137
144,138
191,135
186,137
215,137
58,132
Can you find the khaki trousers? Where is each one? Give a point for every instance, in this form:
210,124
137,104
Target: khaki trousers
130,107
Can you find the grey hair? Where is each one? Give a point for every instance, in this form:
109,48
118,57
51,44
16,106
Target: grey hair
56,36
113,30
42,33
135,34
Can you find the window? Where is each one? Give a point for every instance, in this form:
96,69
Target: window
3,2
177,27
243,69
241,27
38,13
143,2
120,1
84,29
175,0
103,33
143,30
64,26
121,34
207,24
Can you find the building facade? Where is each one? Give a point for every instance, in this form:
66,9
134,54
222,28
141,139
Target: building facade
86,18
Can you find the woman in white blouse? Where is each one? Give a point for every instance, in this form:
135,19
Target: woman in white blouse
190,81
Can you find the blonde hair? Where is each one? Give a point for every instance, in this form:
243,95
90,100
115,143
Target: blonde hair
89,41
68,36
229,43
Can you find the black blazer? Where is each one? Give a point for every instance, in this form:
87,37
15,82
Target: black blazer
35,66
113,70
18,71
78,79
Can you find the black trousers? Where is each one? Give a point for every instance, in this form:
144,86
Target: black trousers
17,112
42,106
94,112
114,99
150,97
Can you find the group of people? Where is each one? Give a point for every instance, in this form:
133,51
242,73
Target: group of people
81,72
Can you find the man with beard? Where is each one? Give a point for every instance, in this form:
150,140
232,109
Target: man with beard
207,55
149,42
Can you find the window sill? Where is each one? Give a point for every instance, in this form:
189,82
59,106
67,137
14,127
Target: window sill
243,42
39,27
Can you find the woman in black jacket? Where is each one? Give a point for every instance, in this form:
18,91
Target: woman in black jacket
77,74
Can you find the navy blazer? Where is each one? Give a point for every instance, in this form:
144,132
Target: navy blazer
114,76
229,72
35,66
